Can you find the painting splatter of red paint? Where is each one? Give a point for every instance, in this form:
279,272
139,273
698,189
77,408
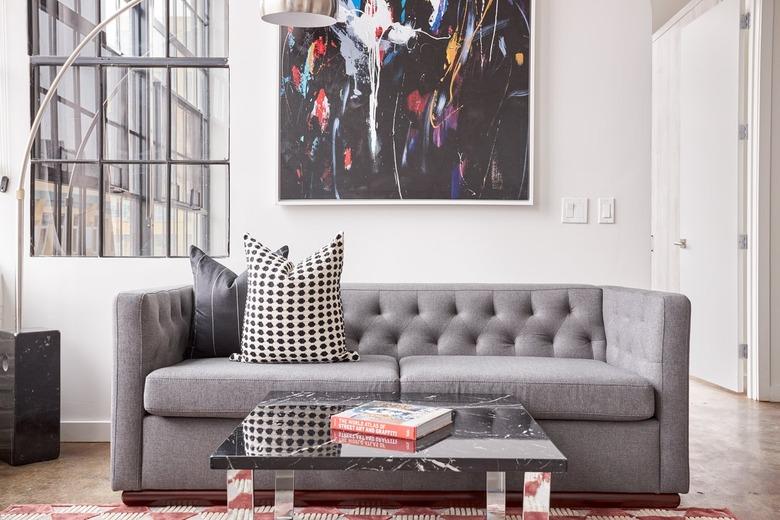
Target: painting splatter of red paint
321,110
347,158
408,100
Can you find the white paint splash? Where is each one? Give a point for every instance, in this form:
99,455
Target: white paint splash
364,38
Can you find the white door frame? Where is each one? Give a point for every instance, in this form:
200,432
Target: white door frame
755,182
757,198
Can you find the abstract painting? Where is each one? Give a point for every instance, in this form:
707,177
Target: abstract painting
408,100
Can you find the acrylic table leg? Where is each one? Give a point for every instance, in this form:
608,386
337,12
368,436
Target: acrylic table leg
283,495
496,495
240,494
536,496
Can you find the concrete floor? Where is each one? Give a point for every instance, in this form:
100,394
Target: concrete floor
735,462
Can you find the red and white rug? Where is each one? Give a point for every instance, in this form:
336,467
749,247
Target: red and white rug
87,512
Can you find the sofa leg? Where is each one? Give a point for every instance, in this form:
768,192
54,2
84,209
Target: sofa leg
536,496
240,494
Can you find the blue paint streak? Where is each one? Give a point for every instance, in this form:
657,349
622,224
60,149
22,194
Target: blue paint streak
439,15
285,81
389,57
403,11
356,3
455,183
335,167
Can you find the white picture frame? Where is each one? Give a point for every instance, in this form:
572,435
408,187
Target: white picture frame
435,202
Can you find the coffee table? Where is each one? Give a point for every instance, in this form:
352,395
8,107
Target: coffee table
288,432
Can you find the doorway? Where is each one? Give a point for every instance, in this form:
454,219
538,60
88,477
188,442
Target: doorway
699,237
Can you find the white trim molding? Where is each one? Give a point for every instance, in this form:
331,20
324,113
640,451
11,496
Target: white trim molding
6,277
85,431
758,201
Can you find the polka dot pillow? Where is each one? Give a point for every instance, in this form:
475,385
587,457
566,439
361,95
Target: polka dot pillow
293,313
287,429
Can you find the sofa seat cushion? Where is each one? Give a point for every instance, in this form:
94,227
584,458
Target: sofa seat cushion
217,387
550,388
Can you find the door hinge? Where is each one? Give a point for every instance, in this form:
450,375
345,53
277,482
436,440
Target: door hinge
743,132
745,21
743,350
742,241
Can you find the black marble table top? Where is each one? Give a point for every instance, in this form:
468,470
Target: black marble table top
292,431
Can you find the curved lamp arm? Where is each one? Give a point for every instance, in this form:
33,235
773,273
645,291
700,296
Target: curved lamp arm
36,124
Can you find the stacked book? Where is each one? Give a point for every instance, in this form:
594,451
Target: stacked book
389,425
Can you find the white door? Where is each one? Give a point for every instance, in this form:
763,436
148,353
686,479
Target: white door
709,191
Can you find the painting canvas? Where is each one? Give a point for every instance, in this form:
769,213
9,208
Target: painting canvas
408,100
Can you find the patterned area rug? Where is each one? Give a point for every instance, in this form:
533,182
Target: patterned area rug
74,512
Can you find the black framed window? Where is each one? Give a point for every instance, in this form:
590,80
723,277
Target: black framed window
132,158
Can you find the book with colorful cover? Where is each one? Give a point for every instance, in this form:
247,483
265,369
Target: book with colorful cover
389,419
382,442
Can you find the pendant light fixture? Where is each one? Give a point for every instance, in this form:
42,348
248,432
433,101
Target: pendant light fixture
299,13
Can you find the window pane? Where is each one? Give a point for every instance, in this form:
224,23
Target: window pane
70,125
135,210
199,209
59,26
109,152
136,114
66,209
198,28
138,32
200,106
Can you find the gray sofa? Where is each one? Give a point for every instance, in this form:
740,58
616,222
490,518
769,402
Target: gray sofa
603,369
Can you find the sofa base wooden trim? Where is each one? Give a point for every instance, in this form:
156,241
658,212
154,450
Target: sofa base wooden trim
305,498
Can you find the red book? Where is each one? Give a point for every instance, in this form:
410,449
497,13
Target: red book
389,443
373,441
388,419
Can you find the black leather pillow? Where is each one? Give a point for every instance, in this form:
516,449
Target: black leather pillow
220,297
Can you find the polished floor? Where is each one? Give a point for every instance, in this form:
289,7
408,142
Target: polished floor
735,462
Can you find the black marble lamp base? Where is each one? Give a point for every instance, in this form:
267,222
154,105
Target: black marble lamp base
29,396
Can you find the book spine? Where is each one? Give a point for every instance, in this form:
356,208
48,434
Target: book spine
374,441
373,428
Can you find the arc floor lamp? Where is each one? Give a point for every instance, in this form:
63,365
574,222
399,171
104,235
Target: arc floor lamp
30,360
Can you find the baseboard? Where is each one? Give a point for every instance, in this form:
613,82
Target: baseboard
715,386
774,393
85,431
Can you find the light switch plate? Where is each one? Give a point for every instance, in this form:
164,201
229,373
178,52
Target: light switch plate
606,210
574,210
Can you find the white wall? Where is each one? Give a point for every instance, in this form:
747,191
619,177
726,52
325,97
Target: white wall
593,139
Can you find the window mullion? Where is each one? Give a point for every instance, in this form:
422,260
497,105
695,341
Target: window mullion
101,158
168,148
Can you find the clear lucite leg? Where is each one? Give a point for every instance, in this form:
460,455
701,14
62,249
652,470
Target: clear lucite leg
240,494
496,495
536,496
283,495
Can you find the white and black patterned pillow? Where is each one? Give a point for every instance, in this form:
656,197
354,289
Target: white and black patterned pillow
293,312
287,429
220,298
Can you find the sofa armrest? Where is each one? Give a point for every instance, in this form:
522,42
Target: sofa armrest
151,331
648,333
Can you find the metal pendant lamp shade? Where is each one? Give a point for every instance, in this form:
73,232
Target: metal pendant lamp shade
299,13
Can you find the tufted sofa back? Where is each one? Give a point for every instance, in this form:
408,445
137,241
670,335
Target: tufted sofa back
484,320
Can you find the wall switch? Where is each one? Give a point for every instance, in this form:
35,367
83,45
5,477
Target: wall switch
607,210
574,210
